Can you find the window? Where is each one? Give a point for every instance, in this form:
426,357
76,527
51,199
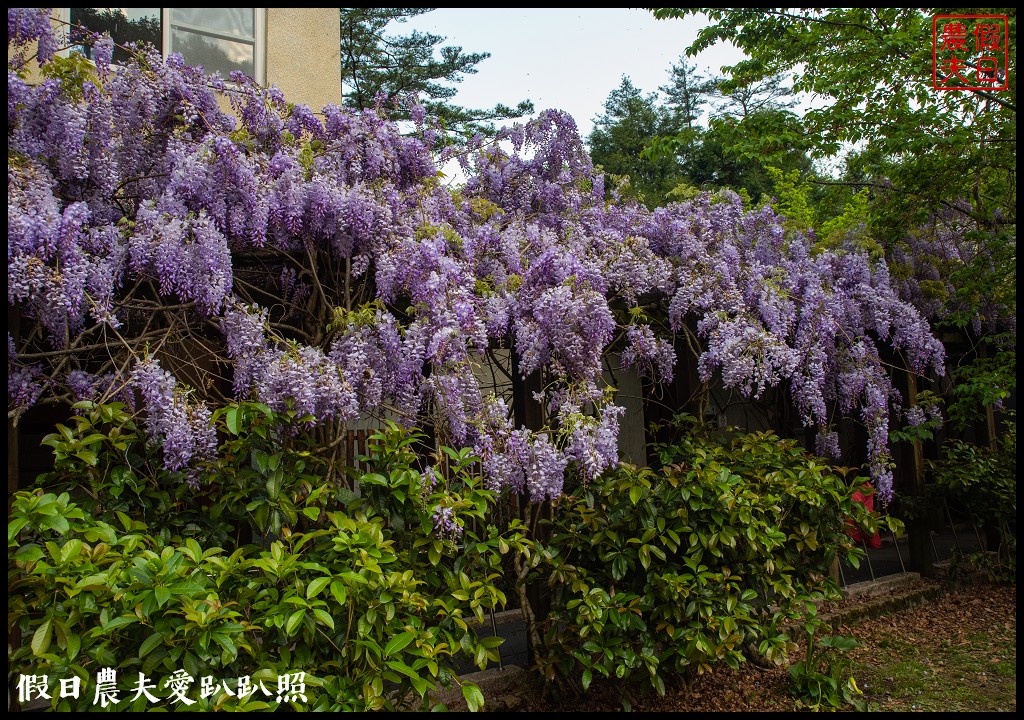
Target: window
125,25
219,39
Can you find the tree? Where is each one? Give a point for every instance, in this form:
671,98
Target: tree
743,99
736,152
375,62
873,67
629,121
750,129
688,91
113,21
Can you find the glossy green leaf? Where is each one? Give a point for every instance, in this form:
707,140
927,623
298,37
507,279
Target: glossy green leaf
474,698
316,586
398,643
294,621
41,637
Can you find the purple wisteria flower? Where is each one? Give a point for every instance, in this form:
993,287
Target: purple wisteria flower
185,431
445,524
652,356
135,203
826,444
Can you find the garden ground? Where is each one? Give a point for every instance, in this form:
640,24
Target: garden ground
932,646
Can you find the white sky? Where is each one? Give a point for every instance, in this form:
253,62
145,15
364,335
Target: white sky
564,58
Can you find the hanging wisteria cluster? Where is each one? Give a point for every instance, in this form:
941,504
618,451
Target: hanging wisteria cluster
321,258
928,261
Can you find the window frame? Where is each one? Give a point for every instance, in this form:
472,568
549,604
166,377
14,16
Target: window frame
259,40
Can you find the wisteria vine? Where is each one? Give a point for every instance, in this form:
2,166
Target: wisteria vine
319,256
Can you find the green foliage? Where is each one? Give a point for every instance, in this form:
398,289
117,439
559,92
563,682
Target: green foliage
101,457
374,61
144,30
707,560
357,589
735,152
984,287
768,95
363,316
896,109
981,383
90,594
851,221
821,681
920,152
629,121
71,72
791,201
688,91
923,430
266,476
983,481
666,155
763,137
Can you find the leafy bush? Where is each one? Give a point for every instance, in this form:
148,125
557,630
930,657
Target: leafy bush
707,560
102,459
822,680
980,384
983,480
370,594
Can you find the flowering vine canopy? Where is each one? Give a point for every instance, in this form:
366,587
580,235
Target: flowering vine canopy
319,262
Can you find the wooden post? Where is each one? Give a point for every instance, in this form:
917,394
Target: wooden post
361,450
527,412
684,394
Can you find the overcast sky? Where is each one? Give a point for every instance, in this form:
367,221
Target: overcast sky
564,58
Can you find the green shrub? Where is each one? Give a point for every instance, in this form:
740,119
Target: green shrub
361,592
983,481
102,460
655,574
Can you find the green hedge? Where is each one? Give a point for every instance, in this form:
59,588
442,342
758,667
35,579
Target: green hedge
358,592
657,574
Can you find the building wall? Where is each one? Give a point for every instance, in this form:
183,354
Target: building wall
304,55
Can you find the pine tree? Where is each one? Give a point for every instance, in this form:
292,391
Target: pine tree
745,98
621,133
688,91
374,62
